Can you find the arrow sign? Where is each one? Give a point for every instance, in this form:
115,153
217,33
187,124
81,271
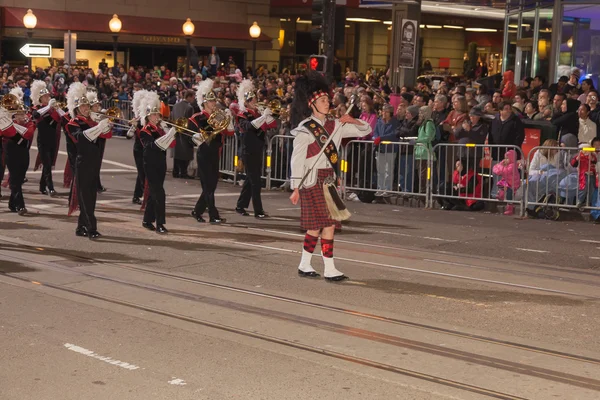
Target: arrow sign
36,50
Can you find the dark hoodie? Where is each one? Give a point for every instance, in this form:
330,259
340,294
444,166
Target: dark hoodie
509,132
569,121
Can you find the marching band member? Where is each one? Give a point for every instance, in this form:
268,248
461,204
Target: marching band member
97,116
253,127
16,136
47,118
138,148
85,132
207,153
69,171
310,112
155,142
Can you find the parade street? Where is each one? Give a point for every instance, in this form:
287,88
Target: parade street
439,304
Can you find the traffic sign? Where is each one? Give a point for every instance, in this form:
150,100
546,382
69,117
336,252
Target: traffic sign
36,50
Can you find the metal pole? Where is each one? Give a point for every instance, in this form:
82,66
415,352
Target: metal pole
29,60
254,57
115,47
187,55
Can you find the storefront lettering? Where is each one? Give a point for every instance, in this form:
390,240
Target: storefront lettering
161,39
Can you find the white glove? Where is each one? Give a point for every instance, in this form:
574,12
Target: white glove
198,139
165,127
60,112
52,102
5,122
267,111
92,133
44,110
131,132
258,122
165,141
20,129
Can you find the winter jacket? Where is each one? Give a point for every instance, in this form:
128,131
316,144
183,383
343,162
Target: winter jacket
511,177
387,133
569,121
587,166
509,132
424,139
471,185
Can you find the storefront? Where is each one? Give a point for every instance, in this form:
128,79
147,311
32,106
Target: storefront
142,41
550,38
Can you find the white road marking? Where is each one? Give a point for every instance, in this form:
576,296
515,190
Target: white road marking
108,360
61,172
595,258
532,250
590,241
118,164
288,209
177,381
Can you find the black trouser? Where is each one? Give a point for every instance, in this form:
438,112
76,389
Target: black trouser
86,175
180,167
47,152
2,160
138,156
155,204
17,161
102,143
208,170
253,183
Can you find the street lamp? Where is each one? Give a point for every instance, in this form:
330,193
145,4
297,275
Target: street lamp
254,34
29,21
188,31
115,27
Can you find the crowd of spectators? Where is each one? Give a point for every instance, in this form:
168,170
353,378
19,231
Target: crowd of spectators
421,116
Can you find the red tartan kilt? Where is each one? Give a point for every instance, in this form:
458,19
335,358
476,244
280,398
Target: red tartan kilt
313,209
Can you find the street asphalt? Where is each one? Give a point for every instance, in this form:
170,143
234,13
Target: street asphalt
439,304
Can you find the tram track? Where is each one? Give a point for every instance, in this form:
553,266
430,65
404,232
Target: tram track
304,303
468,357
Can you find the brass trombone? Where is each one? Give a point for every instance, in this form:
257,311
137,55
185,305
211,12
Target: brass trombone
114,114
218,121
274,105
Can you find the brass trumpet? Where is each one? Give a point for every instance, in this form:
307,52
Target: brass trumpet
10,102
274,105
60,105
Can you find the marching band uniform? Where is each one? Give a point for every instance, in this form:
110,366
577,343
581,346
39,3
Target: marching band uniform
85,132
310,135
47,118
253,126
207,154
138,149
93,99
155,162
15,139
71,153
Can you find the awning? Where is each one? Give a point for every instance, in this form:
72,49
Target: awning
133,25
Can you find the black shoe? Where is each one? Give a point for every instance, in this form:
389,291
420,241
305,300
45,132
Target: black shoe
186,176
311,274
200,219
217,221
94,235
176,176
101,189
52,192
22,211
260,215
149,226
338,278
43,191
25,180
597,221
161,229
81,232
242,212
136,200
194,213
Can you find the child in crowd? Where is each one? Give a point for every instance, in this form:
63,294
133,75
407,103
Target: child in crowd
586,162
510,179
465,183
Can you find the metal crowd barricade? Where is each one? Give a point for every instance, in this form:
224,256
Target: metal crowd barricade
558,180
278,159
388,169
229,161
476,183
